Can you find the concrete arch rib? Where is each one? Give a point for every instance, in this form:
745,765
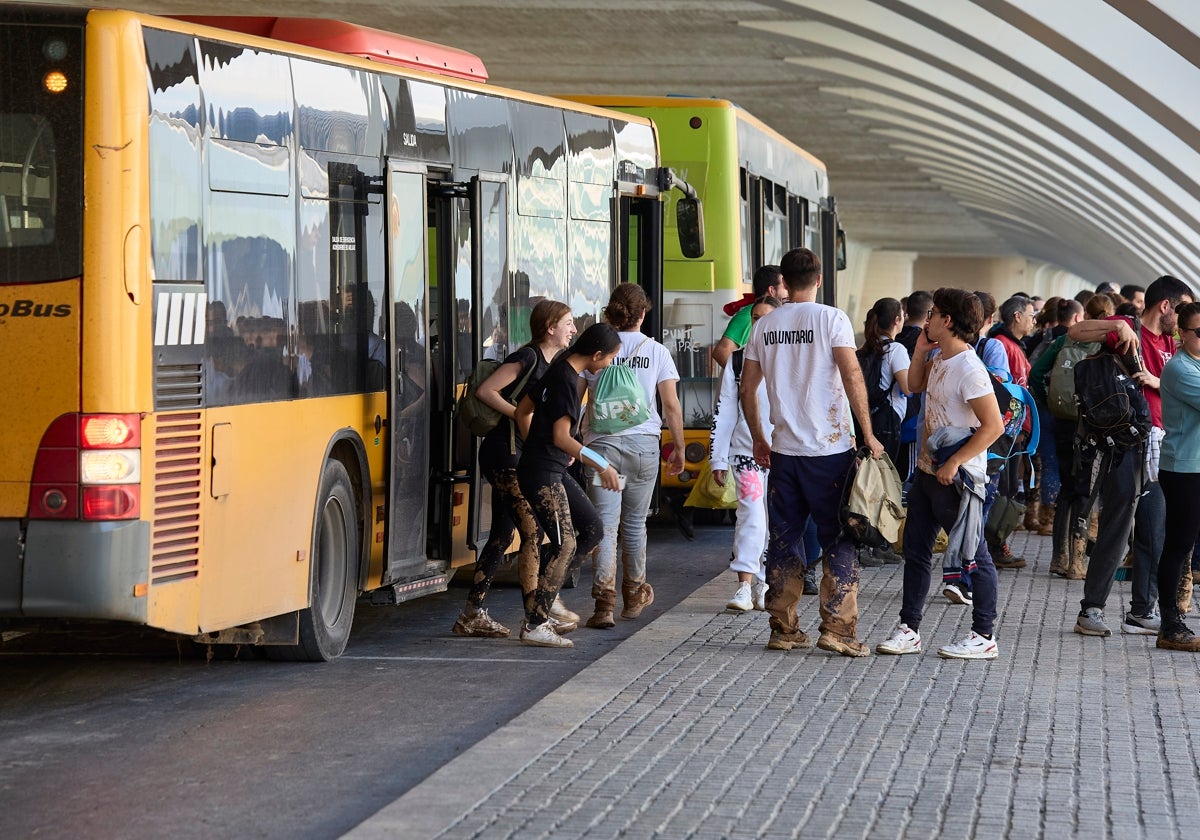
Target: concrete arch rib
961,119
1079,99
977,96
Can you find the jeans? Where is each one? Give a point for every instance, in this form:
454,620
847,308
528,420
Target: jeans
1050,477
1119,500
801,487
561,507
933,506
1181,496
623,512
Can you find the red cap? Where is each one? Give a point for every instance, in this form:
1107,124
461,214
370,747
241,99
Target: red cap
732,307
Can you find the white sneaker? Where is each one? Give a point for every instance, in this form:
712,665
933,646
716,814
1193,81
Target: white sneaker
742,600
543,636
973,646
558,610
760,594
902,641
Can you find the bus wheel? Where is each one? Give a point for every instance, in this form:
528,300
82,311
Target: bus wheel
333,583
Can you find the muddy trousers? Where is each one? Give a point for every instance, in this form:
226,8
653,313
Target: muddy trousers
801,486
562,509
1181,492
511,514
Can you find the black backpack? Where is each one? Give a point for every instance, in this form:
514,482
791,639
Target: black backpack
884,421
1113,412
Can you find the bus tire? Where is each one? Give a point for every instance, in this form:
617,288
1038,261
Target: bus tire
333,582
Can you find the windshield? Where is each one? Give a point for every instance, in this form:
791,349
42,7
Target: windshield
41,122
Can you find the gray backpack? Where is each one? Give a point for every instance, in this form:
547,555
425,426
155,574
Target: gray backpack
1060,393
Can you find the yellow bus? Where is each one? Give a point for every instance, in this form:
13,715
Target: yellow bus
244,272
762,195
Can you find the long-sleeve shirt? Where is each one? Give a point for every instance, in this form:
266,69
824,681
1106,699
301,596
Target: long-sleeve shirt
730,433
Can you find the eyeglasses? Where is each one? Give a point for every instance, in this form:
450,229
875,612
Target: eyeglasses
936,313
1195,331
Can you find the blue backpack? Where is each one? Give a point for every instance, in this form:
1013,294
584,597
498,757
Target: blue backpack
1016,404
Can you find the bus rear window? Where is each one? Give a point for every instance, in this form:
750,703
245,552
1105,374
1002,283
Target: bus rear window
41,127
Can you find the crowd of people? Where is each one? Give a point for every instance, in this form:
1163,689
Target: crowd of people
800,403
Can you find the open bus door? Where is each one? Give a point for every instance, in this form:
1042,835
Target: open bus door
410,396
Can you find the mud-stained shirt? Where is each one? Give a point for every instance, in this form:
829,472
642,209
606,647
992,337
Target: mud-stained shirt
794,347
952,384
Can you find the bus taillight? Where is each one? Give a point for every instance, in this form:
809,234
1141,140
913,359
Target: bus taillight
88,467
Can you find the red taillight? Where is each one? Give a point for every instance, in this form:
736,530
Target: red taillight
69,484
668,449
122,501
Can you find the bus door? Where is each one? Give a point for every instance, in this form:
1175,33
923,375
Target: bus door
409,394
470,302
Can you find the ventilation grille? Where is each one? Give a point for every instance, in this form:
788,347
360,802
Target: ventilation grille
178,387
175,539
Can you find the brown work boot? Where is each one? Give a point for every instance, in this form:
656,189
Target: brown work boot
1077,560
637,599
1180,638
1030,522
606,602
1003,557
1058,566
475,621
1046,521
845,645
787,641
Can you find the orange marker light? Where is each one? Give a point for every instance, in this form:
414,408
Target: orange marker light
55,81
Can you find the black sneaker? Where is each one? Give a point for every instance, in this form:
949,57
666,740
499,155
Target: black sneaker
956,593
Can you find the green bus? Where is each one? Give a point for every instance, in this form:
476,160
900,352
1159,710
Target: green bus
762,196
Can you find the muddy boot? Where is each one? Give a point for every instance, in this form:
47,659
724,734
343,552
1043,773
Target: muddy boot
1030,523
606,603
1077,560
475,621
1003,557
1058,566
637,598
1008,560
1046,521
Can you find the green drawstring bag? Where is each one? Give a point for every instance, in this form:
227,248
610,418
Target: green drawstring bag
618,401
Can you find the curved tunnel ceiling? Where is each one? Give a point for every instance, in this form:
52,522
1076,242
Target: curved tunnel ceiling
1059,130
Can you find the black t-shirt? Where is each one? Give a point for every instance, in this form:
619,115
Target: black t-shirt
556,395
501,447
907,338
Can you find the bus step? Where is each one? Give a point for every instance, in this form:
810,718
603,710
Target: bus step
397,593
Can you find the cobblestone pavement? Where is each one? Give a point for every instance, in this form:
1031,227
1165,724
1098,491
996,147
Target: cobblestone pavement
691,728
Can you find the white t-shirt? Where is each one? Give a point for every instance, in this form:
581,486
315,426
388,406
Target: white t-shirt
952,382
895,358
808,408
652,364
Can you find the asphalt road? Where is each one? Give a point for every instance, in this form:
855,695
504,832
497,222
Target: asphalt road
127,734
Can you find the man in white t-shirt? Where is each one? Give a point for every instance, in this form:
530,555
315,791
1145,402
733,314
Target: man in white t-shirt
947,485
805,354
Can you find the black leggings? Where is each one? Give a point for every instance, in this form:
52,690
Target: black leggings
561,508
510,514
1181,492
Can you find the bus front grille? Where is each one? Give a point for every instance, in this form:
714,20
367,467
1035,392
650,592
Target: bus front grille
178,387
175,537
